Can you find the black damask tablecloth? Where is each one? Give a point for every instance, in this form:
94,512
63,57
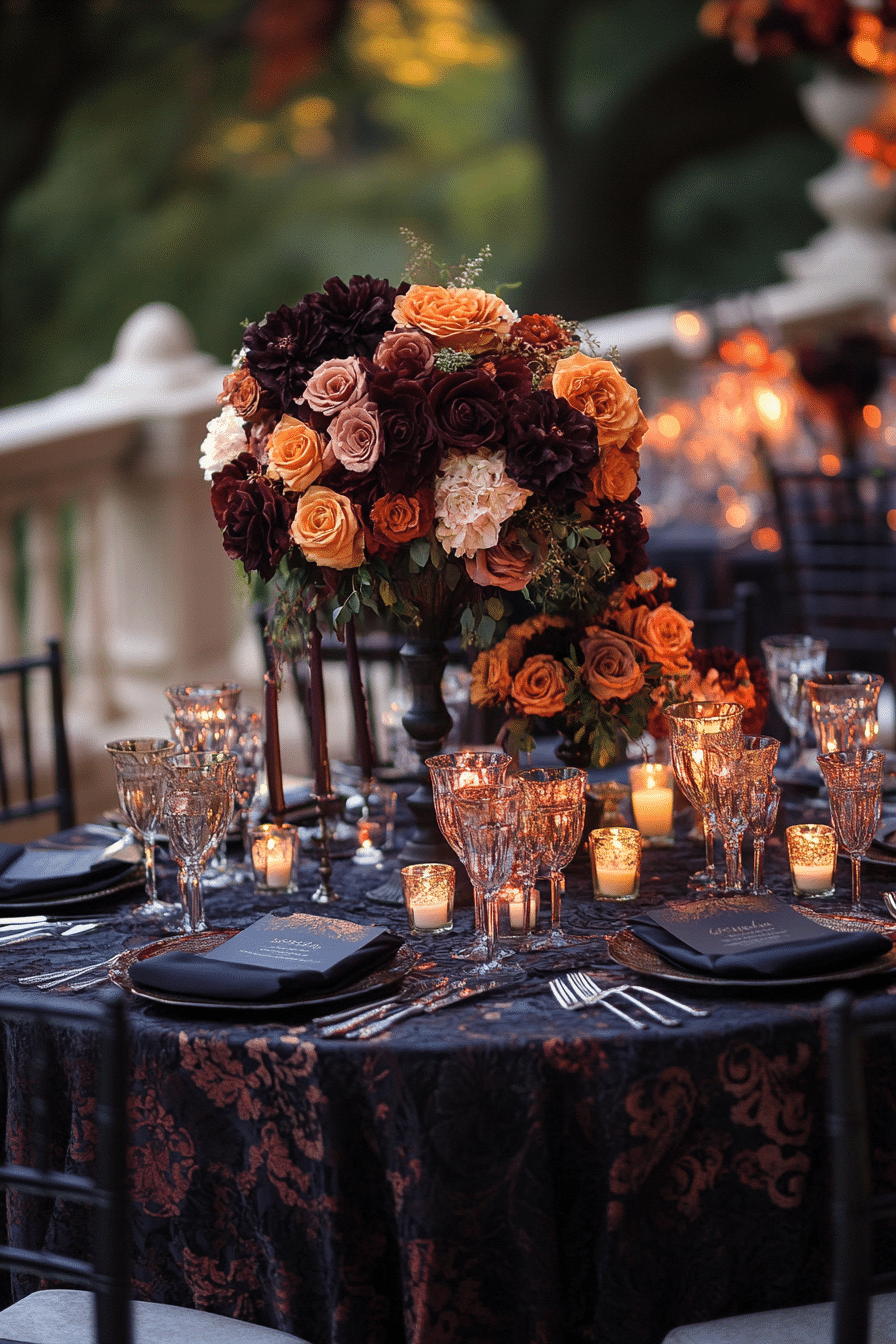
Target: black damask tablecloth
501,1172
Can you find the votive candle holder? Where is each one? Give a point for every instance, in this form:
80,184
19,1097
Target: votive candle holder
275,857
653,799
615,863
429,897
812,851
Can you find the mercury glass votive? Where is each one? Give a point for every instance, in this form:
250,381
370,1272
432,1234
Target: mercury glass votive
653,797
615,863
275,857
429,897
812,850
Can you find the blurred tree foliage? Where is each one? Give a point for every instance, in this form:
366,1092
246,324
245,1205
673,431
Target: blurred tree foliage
228,156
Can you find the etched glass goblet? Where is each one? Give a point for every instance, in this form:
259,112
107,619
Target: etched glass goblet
245,742
488,817
726,785
197,809
844,709
760,800
140,781
552,820
449,772
694,726
854,780
790,660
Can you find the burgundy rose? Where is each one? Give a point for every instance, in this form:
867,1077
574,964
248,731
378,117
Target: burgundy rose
353,316
513,375
468,407
411,444
624,533
253,517
550,446
281,352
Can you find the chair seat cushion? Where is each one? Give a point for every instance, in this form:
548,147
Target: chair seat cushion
53,1315
791,1325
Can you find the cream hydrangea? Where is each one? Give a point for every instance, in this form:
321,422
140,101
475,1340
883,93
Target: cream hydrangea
225,440
474,496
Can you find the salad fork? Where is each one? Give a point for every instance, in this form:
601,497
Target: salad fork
588,991
571,999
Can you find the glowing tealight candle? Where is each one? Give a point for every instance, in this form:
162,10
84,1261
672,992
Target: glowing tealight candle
615,862
516,908
278,866
274,849
429,896
813,855
652,800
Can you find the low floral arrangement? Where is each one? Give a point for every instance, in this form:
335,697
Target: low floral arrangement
423,450
588,682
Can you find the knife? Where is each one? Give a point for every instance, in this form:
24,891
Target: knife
364,1016
469,989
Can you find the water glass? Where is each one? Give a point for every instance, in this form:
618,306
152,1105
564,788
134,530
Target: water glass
854,780
694,726
551,825
140,782
789,661
197,809
844,709
488,817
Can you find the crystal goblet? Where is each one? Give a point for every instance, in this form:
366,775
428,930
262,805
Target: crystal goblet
245,742
854,780
760,800
449,772
551,824
488,816
693,727
789,661
197,809
844,709
140,782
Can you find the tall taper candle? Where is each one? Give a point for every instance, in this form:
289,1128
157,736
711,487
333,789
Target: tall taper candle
319,751
276,803
363,739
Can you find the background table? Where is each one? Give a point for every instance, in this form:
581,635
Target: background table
501,1172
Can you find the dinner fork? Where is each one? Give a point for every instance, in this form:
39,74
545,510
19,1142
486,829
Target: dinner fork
63,979
588,987
589,993
570,999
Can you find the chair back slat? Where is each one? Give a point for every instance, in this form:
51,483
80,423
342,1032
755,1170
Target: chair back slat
24,779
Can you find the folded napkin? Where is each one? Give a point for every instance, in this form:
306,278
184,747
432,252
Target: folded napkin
41,869
822,951
201,977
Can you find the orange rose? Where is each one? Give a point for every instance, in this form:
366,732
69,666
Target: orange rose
611,670
508,565
491,677
614,476
662,632
243,393
467,319
397,518
326,529
295,454
539,687
596,387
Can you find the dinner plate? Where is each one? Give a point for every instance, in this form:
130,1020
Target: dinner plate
628,950
382,978
126,881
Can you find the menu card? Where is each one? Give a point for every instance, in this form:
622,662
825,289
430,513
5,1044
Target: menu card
738,924
298,942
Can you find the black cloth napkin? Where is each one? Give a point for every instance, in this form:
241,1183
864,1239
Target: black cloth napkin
102,874
815,955
9,854
199,977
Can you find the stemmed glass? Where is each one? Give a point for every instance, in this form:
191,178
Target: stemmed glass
854,780
694,726
197,809
203,721
844,709
726,781
137,763
458,770
790,661
760,800
552,819
488,816
245,742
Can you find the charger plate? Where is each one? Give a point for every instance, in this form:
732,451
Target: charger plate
382,978
628,950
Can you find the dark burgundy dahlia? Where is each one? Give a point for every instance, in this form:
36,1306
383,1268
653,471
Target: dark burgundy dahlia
281,353
550,447
253,516
354,316
412,447
469,408
624,533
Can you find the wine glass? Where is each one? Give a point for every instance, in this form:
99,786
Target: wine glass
760,799
197,810
203,721
854,780
694,726
790,660
137,763
844,709
245,742
488,816
551,823
726,784
458,770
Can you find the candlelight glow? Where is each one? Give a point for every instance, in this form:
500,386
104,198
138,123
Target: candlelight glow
872,417
829,464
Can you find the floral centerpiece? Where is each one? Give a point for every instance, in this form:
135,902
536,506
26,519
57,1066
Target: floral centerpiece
591,681
423,450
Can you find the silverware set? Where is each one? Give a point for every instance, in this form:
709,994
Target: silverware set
578,990
361,1024
73,978
22,928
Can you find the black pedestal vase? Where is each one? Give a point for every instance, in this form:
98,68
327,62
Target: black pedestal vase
427,723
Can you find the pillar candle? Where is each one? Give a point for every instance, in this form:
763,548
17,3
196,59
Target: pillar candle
363,739
320,754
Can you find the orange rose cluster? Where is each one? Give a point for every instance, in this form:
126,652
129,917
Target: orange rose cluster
368,424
